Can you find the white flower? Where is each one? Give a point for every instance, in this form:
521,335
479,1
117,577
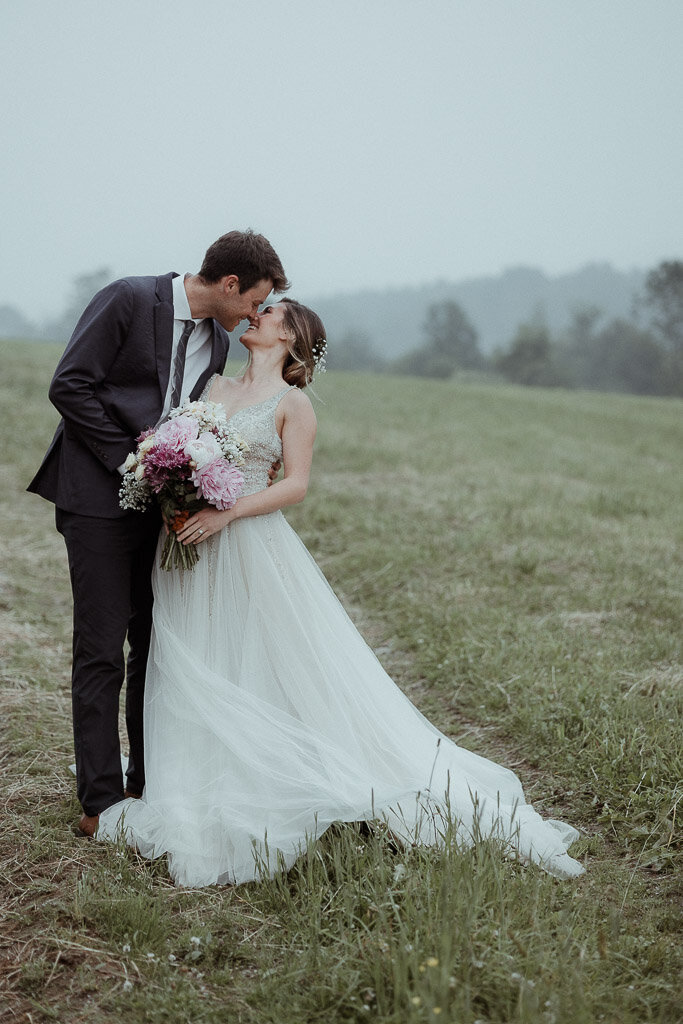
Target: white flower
140,473
127,986
204,450
399,872
195,940
145,445
131,461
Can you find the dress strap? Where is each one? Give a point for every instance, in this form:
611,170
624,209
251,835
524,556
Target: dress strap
280,395
207,387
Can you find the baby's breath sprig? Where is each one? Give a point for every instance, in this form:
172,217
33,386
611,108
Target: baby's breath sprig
319,353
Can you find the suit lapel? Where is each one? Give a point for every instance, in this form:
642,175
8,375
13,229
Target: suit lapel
163,330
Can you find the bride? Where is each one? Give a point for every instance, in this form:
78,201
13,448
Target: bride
267,717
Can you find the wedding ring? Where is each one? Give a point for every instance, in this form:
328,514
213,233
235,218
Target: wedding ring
200,531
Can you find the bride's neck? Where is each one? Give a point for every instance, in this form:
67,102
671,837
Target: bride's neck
263,368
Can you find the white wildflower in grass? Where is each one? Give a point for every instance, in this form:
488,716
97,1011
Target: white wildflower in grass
127,986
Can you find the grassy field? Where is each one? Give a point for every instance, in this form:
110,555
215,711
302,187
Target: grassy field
514,558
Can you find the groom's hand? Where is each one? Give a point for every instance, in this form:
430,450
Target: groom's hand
273,471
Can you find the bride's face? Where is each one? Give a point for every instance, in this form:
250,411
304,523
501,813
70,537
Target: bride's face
266,329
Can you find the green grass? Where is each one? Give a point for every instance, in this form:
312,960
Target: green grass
514,557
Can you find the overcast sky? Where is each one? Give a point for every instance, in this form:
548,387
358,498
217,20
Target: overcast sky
376,143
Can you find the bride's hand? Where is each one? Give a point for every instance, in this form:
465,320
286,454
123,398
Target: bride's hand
204,524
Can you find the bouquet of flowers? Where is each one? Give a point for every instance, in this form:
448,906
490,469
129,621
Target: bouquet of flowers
188,462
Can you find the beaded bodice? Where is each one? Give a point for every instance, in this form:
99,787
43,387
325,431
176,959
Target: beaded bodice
255,424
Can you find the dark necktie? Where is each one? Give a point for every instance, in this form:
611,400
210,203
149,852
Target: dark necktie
179,363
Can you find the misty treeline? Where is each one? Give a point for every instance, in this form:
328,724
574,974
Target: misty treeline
13,323
641,354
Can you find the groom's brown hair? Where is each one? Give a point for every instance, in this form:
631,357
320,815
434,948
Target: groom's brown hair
249,256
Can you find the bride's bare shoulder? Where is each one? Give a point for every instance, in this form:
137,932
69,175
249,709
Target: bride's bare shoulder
297,410
298,403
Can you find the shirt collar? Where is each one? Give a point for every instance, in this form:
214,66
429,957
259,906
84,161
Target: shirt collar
181,305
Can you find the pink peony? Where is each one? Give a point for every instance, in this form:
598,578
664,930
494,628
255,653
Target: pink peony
219,483
176,433
203,450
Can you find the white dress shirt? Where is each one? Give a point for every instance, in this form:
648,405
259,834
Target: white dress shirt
198,353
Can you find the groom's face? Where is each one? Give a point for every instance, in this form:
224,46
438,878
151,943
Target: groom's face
237,306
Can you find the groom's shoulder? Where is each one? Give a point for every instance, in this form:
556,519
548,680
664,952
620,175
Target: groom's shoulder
149,284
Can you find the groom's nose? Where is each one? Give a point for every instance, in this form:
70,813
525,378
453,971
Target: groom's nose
253,319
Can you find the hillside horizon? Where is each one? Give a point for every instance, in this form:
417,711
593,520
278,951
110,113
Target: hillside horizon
392,318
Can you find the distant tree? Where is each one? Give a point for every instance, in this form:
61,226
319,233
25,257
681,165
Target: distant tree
574,351
451,335
664,296
624,357
582,328
353,351
451,344
13,324
82,290
529,360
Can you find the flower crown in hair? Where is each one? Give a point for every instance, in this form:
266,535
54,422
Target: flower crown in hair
319,351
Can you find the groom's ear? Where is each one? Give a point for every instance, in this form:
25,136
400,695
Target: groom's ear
230,284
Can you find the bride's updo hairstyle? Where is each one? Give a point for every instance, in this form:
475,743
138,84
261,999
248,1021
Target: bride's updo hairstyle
306,343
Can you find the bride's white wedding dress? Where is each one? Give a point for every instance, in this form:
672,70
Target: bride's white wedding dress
267,718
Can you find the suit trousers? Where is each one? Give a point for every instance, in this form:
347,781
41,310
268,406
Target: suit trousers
110,563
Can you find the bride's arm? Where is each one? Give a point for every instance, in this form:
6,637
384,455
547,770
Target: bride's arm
298,433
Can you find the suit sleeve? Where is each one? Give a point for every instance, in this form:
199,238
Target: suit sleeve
87,360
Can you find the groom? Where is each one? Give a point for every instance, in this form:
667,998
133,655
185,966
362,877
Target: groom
142,346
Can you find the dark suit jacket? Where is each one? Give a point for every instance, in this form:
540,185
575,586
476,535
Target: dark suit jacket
109,386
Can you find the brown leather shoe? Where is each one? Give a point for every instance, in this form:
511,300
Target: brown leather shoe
131,796
87,826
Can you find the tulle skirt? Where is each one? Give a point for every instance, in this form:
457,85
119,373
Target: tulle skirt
267,718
